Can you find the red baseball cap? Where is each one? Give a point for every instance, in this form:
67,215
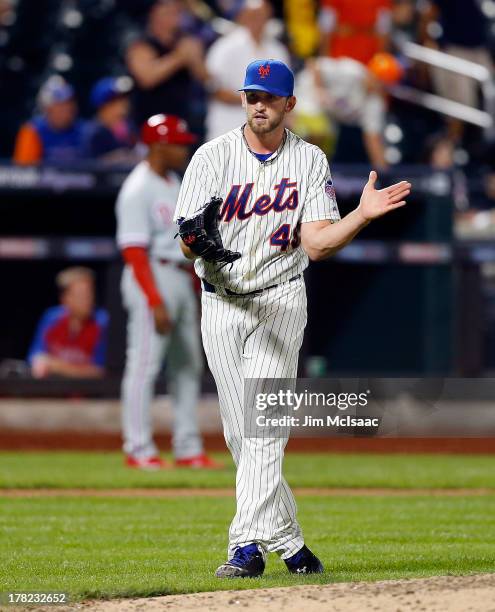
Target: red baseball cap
168,129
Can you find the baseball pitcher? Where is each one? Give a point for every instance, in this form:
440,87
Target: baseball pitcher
255,205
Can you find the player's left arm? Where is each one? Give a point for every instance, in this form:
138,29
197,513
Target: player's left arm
197,188
322,239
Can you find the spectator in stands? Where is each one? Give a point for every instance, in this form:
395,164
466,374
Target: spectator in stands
355,28
405,22
70,340
460,28
109,136
345,91
164,63
439,152
56,135
198,19
488,180
227,60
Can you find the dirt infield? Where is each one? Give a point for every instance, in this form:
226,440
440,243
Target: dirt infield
455,594
103,441
212,492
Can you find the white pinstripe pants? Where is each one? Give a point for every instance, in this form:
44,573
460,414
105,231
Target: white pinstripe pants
256,337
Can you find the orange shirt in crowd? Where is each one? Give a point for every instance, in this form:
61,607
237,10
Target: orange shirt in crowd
37,141
28,146
359,28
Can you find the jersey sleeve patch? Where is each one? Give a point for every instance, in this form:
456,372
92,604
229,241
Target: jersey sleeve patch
330,189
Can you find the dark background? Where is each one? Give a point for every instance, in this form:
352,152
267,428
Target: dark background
384,316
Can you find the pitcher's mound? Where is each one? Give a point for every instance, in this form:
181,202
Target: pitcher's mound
452,593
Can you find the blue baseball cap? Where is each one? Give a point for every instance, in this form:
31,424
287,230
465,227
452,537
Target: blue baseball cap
108,88
272,76
55,89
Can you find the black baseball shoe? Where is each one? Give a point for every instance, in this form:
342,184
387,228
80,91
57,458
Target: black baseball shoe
247,562
304,562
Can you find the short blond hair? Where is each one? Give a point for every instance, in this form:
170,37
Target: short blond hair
65,278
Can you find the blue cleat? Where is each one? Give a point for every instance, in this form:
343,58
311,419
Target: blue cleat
247,562
304,562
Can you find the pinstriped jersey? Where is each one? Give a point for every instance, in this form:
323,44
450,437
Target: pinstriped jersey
264,204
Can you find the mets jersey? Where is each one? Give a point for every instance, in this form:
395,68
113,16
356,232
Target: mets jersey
264,204
145,209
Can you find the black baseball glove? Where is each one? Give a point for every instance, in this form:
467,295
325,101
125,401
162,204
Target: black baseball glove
200,233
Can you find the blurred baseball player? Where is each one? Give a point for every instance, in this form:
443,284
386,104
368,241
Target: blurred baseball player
157,289
278,209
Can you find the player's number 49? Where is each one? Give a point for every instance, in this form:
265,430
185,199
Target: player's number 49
281,237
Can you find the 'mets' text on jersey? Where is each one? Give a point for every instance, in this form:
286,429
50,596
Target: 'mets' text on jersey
264,204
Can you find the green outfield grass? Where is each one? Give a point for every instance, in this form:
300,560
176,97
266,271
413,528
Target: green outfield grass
103,547
106,471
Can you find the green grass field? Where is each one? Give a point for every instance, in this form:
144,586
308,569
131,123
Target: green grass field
107,547
106,471
110,547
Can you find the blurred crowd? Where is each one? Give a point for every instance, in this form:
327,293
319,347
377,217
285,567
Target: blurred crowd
80,77
187,58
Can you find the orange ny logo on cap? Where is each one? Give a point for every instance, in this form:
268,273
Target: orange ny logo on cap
264,71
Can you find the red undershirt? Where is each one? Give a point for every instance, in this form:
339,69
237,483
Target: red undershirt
137,258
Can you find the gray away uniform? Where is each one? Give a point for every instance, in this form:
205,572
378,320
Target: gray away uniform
145,208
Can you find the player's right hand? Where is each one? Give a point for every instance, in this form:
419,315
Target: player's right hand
163,322
377,202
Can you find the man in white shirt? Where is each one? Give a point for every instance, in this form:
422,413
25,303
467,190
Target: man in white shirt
227,59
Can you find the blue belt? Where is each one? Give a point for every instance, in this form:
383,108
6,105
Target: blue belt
212,289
